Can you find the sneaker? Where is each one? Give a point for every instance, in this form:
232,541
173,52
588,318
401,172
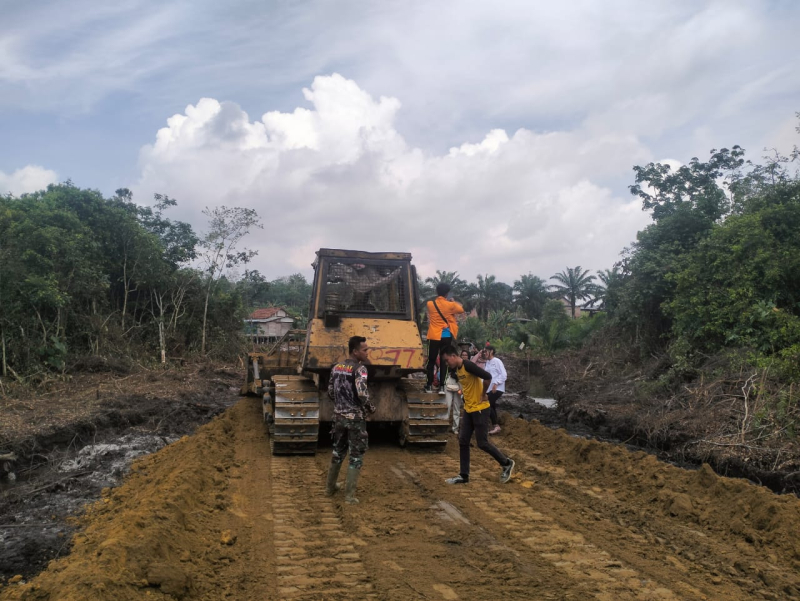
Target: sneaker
442,392
457,480
495,430
427,389
505,476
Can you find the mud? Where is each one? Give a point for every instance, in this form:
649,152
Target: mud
61,469
528,408
214,516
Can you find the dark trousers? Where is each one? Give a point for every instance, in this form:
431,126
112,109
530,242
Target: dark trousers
435,350
478,422
493,397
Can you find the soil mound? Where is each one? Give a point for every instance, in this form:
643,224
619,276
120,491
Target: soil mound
699,498
146,536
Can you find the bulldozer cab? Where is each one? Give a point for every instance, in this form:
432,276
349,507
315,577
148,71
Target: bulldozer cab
366,294
360,284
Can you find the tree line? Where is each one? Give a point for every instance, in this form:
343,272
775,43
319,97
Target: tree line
86,276
718,268
529,311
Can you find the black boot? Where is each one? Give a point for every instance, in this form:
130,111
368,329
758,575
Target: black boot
350,485
333,474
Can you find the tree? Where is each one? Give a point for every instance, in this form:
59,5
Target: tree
685,203
255,289
604,294
178,240
487,294
227,227
291,292
574,284
83,274
547,334
499,323
459,287
473,330
694,186
751,296
530,295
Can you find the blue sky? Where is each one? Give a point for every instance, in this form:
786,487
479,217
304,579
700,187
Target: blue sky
400,117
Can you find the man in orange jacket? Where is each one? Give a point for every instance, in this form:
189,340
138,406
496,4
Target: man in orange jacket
442,329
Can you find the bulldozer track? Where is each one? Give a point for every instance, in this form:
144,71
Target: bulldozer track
314,555
295,423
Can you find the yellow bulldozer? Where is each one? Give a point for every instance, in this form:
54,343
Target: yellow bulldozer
354,294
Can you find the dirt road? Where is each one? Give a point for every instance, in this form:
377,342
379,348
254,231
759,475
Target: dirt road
214,516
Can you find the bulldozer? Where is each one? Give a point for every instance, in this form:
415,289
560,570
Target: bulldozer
354,293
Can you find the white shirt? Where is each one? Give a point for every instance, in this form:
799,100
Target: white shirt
497,370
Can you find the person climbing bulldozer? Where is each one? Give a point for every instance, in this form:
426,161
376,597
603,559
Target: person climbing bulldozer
348,389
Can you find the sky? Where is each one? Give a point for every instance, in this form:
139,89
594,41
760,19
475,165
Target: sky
482,137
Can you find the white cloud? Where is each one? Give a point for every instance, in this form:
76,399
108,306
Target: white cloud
27,179
339,174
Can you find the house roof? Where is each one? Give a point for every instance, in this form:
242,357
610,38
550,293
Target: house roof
265,313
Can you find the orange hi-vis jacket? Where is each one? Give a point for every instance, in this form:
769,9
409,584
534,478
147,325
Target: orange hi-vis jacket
436,324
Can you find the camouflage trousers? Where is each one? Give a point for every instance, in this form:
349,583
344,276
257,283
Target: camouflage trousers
349,434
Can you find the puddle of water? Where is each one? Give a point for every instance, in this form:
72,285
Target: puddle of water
33,508
109,462
549,403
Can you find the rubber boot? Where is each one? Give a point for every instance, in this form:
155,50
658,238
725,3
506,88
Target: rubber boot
333,475
350,485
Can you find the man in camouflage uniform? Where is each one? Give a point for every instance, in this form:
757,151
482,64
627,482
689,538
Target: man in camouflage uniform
348,389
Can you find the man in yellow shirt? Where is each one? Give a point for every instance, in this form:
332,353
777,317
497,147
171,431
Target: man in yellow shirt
442,330
475,383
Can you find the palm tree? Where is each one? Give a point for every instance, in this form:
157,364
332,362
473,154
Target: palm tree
574,284
530,295
459,287
425,289
482,294
498,323
603,293
446,277
547,334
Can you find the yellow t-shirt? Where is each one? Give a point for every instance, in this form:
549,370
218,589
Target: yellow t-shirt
471,378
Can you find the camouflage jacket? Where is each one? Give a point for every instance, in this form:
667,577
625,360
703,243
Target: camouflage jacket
348,389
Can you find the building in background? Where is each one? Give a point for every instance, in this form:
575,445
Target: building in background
270,324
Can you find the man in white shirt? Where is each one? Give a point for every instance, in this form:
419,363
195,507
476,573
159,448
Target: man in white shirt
498,372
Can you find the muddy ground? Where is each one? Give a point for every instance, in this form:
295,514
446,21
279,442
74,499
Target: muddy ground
215,516
81,437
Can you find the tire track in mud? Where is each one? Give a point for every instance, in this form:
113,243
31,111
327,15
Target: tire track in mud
420,546
648,540
593,571
315,558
